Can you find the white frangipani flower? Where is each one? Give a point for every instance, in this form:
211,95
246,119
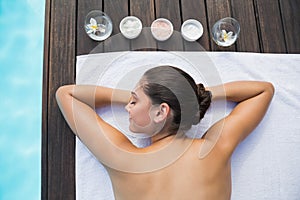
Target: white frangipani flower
93,26
227,37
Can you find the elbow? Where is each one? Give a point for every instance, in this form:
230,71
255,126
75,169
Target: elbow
59,93
268,91
62,91
270,88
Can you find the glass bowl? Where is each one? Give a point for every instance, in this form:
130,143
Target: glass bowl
226,31
98,25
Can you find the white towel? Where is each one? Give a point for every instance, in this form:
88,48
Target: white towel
265,166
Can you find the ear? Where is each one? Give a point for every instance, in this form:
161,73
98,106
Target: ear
161,113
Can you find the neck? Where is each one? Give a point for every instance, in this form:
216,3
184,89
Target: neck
165,133
160,136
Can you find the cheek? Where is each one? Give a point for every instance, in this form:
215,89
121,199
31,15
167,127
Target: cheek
142,120
140,117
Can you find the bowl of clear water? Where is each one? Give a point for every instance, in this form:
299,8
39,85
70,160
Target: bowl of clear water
226,31
98,25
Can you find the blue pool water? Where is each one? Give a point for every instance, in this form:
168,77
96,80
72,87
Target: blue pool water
21,55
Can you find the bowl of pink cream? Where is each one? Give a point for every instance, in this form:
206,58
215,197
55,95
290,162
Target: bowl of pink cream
161,29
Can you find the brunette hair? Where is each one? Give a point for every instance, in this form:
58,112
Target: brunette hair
188,101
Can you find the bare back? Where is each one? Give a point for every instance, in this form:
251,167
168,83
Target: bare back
187,178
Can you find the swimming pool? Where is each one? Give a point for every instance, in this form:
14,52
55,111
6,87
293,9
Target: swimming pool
21,58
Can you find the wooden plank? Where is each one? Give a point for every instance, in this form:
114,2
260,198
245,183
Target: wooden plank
248,39
117,10
59,65
170,9
44,170
196,10
217,9
85,44
271,30
144,10
290,11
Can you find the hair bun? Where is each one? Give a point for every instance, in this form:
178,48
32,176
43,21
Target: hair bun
204,100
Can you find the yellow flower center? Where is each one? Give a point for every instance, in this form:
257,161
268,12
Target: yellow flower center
225,37
94,26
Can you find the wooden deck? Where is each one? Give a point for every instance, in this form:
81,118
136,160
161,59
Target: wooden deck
270,26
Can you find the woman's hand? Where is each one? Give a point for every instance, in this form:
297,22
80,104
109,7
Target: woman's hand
94,96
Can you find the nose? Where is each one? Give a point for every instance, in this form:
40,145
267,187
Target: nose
127,107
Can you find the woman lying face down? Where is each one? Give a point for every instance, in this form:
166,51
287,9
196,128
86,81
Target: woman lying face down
164,105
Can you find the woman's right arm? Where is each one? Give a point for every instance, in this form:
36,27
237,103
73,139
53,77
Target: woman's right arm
253,98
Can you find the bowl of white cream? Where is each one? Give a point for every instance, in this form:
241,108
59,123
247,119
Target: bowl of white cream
161,29
131,27
191,30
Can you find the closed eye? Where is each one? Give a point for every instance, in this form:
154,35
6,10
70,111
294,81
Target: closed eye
132,101
133,98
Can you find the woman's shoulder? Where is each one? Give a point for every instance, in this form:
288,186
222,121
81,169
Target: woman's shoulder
209,147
